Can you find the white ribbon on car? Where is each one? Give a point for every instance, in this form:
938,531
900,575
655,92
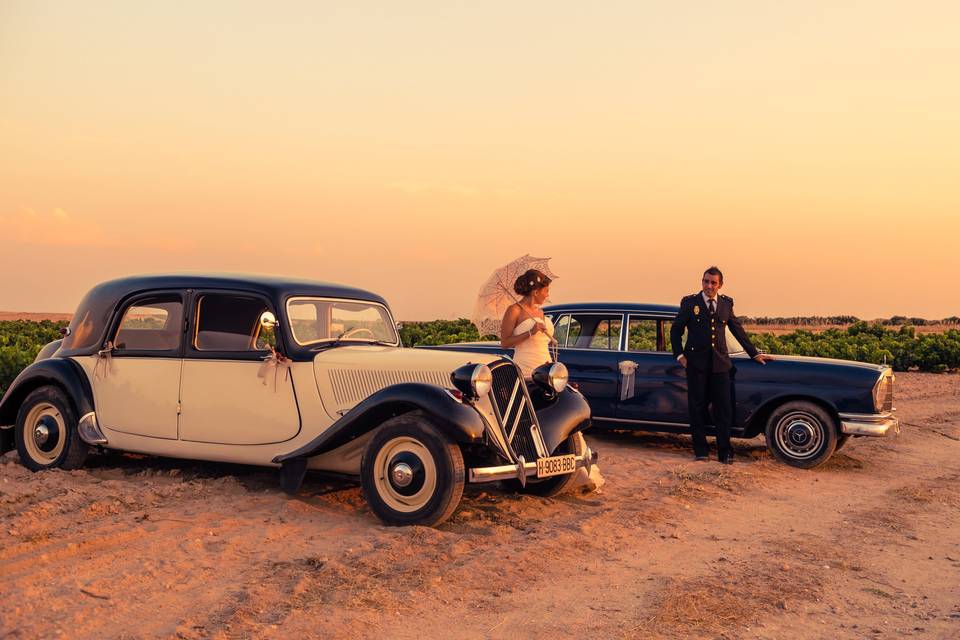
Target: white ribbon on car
627,369
104,357
274,362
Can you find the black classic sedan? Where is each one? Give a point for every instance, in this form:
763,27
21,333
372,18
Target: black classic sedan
619,357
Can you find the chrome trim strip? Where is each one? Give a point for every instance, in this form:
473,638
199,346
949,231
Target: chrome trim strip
654,422
890,427
513,471
506,412
516,421
867,417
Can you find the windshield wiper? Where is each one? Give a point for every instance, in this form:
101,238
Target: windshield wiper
339,339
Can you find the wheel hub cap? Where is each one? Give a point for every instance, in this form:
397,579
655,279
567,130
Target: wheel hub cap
41,434
402,474
799,433
46,433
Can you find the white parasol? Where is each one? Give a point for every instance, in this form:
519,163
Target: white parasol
497,293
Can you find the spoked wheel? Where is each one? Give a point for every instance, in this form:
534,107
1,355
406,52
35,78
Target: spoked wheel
553,485
46,431
411,472
801,434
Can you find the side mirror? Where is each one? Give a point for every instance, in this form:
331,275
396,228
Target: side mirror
268,320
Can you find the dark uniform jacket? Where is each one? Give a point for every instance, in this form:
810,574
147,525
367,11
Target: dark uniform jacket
706,345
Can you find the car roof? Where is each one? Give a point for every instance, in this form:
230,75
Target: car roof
273,286
617,307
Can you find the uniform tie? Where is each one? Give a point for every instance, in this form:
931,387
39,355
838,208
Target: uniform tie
713,305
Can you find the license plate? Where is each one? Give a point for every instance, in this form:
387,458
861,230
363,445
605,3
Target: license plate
556,465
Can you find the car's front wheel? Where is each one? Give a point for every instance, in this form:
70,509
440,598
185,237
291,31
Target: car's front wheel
46,431
802,434
411,472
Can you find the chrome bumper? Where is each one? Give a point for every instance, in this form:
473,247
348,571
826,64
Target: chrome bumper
869,424
518,472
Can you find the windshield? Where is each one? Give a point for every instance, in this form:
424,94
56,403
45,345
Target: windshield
319,320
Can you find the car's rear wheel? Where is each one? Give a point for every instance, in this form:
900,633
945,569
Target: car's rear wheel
802,434
46,431
553,485
411,472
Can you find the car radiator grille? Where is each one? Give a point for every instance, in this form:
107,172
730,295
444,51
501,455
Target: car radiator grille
505,389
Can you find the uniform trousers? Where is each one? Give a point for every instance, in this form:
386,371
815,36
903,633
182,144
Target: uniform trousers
708,389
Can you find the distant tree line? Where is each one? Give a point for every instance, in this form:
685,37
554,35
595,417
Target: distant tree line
816,321
903,349
439,332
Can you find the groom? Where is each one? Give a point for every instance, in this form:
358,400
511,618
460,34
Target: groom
705,316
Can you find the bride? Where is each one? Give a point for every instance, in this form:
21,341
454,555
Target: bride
524,328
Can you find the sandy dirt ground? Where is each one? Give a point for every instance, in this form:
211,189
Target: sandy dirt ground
867,546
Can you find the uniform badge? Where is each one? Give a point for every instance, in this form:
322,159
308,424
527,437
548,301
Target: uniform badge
696,309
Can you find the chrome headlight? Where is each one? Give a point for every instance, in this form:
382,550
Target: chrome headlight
552,376
473,380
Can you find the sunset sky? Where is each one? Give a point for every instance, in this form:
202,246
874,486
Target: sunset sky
811,149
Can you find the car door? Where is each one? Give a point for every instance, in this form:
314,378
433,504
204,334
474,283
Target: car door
226,394
136,378
588,343
659,395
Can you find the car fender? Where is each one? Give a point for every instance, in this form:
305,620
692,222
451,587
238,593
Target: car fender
568,415
460,421
62,372
756,420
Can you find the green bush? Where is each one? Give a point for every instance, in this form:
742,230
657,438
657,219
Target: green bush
20,342
902,348
439,332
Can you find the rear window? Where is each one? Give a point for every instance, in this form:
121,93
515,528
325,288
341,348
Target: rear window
151,324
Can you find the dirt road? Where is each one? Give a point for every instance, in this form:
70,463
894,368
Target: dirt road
867,546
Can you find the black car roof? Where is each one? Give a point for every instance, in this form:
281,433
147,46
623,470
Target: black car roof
272,286
617,307
89,324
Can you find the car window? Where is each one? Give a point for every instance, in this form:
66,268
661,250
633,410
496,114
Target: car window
593,331
642,335
315,320
228,322
561,328
607,334
151,324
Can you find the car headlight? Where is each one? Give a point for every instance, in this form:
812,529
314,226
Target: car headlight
883,393
473,380
552,376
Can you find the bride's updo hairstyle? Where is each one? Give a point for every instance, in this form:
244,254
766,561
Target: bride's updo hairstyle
530,282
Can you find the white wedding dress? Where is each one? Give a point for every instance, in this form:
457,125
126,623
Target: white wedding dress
534,351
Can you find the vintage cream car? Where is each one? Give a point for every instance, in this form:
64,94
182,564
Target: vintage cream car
295,374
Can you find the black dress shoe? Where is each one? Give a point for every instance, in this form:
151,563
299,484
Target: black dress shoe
700,458
727,460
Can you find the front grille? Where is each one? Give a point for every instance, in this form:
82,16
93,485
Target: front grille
506,388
